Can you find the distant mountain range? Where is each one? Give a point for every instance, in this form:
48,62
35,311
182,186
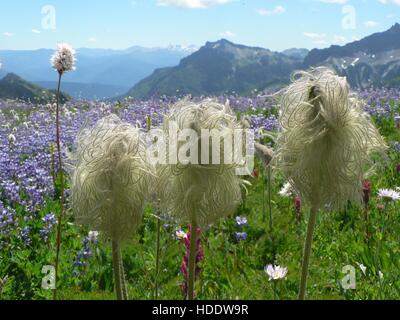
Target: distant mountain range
374,60
220,67
100,73
14,87
223,66
216,68
91,91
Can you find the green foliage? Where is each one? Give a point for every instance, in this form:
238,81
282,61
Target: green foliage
231,269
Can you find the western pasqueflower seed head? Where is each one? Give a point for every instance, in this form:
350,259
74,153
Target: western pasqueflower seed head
326,139
111,178
205,192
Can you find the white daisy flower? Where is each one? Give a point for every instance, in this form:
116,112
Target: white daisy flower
275,272
286,191
180,234
389,195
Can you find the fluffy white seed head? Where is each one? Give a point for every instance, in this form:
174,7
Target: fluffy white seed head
205,192
63,60
326,139
110,178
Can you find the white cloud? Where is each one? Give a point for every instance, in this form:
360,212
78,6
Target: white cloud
317,38
92,39
396,2
334,1
339,39
227,34
313,35
35,31
8,34
320,42
371,24
191,4
276,10
323,39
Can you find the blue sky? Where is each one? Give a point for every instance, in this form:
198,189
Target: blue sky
118,24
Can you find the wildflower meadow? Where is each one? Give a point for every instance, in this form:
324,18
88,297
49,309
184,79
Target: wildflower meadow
85,216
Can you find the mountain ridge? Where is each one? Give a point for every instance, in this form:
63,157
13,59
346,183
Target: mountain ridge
107,67
13,86
224,67
219,67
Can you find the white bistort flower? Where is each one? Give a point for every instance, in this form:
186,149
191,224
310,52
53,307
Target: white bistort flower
11,138
63,60
275,272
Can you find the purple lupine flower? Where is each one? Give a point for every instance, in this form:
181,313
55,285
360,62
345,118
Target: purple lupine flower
24,234
241,221
241,236
49,220
83,256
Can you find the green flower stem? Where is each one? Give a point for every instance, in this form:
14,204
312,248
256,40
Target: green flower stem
157,271
61,174
307,252
382,231
192,260
269,199
366,220
263,192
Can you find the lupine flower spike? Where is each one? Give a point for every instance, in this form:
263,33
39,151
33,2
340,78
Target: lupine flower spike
324,146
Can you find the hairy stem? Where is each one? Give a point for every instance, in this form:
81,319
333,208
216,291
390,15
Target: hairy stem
125,295
269,199
192,260
307,252
116,257
157,257
61,174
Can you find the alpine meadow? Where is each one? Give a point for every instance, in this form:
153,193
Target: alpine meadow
216,171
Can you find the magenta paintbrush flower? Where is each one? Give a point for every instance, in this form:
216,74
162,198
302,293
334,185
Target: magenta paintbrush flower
185,260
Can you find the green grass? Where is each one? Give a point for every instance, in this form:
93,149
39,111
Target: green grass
232,269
